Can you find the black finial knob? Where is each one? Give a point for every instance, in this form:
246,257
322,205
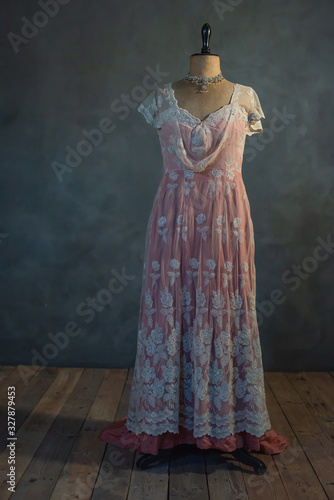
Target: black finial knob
206,32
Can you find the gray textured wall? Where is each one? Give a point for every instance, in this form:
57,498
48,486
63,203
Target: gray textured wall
63,238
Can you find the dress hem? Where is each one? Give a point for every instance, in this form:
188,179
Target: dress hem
117,434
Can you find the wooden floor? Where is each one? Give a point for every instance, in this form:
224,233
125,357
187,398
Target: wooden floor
59,412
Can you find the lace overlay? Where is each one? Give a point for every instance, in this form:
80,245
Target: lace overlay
198,372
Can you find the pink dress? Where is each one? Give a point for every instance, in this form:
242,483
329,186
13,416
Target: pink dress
198,376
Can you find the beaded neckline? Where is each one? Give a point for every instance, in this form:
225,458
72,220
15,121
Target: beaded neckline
210,115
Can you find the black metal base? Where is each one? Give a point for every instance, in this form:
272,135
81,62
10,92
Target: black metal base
147,460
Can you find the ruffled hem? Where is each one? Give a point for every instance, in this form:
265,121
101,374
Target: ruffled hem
117,434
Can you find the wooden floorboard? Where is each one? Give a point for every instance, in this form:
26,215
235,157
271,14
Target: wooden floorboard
26,398
113,480
271,484
80,472
60,411
46,466
304,473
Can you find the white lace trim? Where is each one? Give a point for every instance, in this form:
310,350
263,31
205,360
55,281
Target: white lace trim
228,111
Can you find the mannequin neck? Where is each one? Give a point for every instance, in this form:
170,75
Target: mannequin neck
204,65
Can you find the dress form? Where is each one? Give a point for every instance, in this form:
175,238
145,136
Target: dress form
189,95
201,104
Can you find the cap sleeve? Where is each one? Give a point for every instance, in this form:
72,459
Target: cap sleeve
255,113
149,108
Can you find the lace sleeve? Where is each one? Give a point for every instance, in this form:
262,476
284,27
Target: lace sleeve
255,114
150,110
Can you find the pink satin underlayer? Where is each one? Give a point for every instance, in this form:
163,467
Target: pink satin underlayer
118,435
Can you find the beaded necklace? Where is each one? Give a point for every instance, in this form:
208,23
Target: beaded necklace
204,81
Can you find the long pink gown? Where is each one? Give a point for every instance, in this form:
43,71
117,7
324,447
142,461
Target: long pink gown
198,376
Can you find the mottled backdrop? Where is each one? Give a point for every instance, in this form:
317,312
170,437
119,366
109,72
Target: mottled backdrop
80,168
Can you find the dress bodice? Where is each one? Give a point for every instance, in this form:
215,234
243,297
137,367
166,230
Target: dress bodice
217,141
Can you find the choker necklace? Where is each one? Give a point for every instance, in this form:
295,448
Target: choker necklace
204,81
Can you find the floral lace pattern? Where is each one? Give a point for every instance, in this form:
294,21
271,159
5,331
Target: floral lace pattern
198,374
199,361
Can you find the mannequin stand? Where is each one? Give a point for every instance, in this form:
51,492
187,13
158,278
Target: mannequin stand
147,460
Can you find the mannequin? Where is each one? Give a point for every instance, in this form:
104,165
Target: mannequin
201,103
198,377
190,97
